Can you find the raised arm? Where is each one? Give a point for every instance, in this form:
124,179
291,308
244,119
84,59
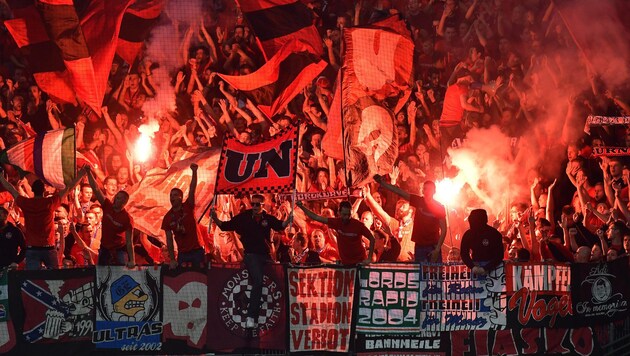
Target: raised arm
9,187
311,214
77,179
97,190
375,207
193,184
392,188
370,237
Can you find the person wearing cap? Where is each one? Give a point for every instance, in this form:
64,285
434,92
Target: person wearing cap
128,299
482,245
254,228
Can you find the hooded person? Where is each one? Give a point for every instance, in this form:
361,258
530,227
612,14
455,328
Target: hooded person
482,245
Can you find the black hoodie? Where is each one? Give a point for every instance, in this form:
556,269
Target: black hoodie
484,241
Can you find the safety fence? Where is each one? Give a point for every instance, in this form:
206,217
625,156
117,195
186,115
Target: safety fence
376,309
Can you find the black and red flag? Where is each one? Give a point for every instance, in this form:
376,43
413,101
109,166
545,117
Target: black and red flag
70,51
137,22
277,22
43,55
266,167
279,80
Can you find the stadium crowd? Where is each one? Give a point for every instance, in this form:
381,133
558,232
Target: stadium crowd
509,65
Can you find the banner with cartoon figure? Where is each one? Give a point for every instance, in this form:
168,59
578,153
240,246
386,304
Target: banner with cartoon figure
57,309
228,299
600,292
185,312
128,309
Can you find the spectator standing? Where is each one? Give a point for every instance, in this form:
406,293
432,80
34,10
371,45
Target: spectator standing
117,228
179,222
254,226
12,244
429,222
482,245
39,214
350,232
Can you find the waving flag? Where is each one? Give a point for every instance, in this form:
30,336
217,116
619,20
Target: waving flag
137,22
278,81
71,55
50,155
30,35
378,66
277,22
150,201
267,167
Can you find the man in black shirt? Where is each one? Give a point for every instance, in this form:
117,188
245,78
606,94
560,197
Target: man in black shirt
482,245
254,228
12,244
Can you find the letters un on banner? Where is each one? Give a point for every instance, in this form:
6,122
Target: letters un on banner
538,295
267,167
451,298
128,309
320,308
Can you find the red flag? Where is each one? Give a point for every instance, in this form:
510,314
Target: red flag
62,25
137,22
277,22
71,56
30,35
101,25
378,65
267,167
607,58
278,81
331,142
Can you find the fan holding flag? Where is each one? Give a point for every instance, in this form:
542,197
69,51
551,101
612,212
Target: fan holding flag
39,213
51,157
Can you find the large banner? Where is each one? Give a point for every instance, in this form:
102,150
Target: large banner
539,295
58,308
453,299
320,305
150,201
544,341
600,292
128,309
228,299
266,167
389,299
185,310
